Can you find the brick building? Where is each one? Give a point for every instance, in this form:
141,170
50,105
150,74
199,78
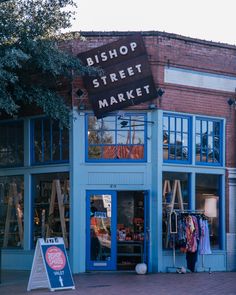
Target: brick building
118,175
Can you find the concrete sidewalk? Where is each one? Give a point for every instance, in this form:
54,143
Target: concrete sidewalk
117,283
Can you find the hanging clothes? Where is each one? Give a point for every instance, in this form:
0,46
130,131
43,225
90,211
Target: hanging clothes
204,244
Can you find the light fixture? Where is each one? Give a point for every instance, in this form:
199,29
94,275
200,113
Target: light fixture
231,102
160,92
82,107
152,106
124,123
80,93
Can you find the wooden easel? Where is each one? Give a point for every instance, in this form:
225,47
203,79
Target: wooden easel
13,202
56,192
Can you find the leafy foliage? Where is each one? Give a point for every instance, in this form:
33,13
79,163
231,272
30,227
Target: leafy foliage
32,65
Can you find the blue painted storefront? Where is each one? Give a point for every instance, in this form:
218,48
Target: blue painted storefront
85,177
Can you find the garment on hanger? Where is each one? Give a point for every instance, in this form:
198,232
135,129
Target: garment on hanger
204,244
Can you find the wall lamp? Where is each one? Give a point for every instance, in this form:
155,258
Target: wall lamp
80,93
160,92
231,101
125,122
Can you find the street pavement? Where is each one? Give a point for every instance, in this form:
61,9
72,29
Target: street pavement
130,283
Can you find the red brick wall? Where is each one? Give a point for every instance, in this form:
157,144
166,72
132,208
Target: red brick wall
167,49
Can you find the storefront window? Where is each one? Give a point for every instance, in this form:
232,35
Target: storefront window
208,141
11,212
176,133
50,143
175,197
116,139
207,200
51,206
12,144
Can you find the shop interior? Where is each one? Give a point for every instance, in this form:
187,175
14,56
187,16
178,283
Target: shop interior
130,229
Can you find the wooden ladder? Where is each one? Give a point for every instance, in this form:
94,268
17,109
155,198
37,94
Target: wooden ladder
57,193
174,192
13,202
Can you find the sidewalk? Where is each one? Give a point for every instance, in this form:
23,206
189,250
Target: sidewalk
122,283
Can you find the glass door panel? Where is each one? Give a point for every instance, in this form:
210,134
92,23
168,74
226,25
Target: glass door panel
101,230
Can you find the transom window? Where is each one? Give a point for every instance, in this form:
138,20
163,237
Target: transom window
12,144
208,141
115,139
176,144
50,143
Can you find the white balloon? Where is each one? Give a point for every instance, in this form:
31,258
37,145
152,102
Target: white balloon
141,268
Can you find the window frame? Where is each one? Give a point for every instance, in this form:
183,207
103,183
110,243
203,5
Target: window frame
10,123
127,117
42,121
209,119
189,134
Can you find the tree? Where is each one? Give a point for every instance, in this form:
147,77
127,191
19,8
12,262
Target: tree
32,65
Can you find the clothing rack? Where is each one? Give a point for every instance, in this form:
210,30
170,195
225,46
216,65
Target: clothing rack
185,212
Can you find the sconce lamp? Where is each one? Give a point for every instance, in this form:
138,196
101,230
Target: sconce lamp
160,92
124,124
80,93
231,102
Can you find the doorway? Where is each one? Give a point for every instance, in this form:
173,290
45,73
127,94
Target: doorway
117,229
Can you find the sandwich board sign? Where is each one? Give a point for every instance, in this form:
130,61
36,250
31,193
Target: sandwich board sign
50,268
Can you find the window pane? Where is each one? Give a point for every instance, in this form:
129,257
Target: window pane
50,142
123,137
108,137
12,212
12,144
178,138
94,137
47,141
165,123
64,145
95,152
56,144
137,137
204,127
207,199
178,124
185,125
117,140
172,123
109,152
208,142
50,217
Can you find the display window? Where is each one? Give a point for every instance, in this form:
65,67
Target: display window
208,199
116,138
49,142
12,212
51,207
12,144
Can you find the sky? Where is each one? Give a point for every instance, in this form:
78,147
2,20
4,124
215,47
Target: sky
211,20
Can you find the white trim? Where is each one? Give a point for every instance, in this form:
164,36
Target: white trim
199,79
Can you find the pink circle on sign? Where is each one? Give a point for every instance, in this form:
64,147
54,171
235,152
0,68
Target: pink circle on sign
55,258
